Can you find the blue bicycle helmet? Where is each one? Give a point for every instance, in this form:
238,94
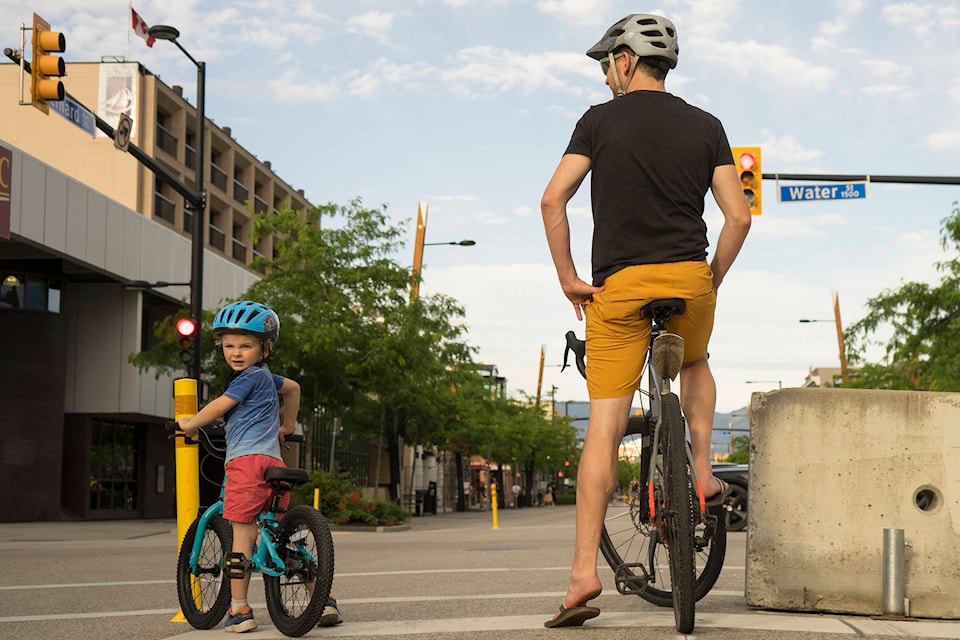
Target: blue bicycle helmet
248,317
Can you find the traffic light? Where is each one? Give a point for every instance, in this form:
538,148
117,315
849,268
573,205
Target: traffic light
45,69
187,330
747,162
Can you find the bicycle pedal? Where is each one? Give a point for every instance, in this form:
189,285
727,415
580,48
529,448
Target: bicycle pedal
629,583
237,565
668,355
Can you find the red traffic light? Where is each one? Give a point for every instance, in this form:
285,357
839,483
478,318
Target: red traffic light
186,327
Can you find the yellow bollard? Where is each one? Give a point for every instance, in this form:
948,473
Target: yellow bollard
316,498
493,504
187,458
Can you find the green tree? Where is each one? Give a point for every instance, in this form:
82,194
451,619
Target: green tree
741,450
922,351
390,368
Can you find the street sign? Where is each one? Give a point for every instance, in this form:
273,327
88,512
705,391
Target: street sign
74,112
820,192
121,137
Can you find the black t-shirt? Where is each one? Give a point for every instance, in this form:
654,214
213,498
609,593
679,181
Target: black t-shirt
652,160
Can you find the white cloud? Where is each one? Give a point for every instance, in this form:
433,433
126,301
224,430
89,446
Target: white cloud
922,18
789,153
944,141
294,89
765,64
885,90
373,24
479,71
579,11
833,28
887,68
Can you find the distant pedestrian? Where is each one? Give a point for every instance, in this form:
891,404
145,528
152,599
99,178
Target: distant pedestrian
516,495
548,498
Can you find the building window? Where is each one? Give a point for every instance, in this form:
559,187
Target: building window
28,291
155,310
113,467
164,208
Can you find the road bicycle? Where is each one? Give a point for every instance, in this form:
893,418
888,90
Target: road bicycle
662,542
293,551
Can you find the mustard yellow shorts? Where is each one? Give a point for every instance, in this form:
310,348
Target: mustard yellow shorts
617,337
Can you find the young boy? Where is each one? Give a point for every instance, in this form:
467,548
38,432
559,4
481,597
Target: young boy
246,331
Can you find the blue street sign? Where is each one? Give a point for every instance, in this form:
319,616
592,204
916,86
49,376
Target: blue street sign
818,192
74,112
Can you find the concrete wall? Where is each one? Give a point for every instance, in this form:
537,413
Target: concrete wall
830,469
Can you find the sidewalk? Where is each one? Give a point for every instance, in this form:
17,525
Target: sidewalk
91,530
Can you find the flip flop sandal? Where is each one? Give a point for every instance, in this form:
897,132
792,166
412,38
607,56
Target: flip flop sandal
572,617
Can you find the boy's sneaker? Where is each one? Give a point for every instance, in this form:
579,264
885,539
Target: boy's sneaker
240,621
331,614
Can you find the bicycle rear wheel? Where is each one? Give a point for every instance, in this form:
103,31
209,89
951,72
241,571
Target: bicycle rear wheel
296,599
631,545
680,513
204,592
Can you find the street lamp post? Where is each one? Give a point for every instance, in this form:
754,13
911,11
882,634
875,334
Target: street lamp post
418,246
839,325
199,205
779,383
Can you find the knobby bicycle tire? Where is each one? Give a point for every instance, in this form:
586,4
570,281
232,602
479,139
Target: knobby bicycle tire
680,513
296,599
204,593
631,546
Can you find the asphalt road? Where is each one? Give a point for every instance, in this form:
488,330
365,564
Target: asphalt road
448,576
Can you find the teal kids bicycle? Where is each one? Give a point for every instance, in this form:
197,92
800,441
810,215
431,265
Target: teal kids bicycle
294,552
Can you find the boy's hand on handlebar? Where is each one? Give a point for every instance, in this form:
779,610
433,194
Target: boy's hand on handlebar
182,424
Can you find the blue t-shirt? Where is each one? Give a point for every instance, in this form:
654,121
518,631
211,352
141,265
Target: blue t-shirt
253,426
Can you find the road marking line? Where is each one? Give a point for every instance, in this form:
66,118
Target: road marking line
817,624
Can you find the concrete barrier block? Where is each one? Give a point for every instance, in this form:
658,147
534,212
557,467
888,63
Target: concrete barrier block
830,469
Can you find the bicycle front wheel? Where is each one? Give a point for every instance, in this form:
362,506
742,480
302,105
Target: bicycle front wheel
680,513
296,599
632,546
204,590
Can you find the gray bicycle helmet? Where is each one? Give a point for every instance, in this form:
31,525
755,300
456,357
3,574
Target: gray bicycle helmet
647,35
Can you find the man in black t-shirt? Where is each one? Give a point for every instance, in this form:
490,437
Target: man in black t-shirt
652,158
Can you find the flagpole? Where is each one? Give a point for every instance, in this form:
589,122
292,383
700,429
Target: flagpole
129,25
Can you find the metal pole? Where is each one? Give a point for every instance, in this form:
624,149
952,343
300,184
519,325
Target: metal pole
199,215
843,352
418,250
893,578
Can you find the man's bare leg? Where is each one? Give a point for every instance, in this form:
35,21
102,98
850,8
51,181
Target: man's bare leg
698,395
596,481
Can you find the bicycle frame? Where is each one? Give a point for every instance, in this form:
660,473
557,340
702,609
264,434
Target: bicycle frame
659,384
265,554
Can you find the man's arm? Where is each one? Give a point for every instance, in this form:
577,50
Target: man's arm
290,392
563,185
728,193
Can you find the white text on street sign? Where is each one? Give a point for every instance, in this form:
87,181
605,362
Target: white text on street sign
819,192
74,112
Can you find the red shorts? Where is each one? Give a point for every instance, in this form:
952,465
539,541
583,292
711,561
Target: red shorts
245,492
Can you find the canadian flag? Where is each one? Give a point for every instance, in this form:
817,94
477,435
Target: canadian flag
140,28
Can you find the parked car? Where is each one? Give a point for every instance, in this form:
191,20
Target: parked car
736,475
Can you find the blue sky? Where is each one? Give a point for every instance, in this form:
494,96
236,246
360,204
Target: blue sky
468,105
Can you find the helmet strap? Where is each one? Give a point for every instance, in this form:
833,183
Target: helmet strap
634,62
